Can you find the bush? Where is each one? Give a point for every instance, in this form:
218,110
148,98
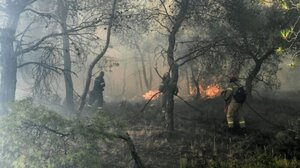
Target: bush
34,136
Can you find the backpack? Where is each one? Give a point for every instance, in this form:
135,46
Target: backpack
240,95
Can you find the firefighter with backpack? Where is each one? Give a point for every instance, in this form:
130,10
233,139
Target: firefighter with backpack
234,97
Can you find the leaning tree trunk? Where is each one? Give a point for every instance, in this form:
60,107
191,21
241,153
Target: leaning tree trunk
8,63
63,10
251,77
253,73
96,60
172,64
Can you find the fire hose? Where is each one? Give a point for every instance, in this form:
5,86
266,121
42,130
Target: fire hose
149,101
142,110
261,117
250,107
197,109
193,107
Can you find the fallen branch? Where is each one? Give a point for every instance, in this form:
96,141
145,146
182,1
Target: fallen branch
134,155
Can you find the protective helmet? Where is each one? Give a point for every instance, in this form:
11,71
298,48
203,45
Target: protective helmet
233,79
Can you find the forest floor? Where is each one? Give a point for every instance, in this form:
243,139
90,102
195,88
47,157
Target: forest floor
201,138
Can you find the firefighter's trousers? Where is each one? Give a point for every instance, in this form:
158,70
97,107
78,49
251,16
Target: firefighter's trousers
96,98
235,108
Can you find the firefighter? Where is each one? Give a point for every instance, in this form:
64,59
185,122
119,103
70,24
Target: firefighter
96,95
168,89
234,97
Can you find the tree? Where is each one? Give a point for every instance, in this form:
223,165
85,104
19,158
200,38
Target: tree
290,33
253,32
12,10
63,10
34,136
176,23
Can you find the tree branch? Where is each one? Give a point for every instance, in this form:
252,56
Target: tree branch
134,154
47,15
46,128
162,25
39,42
157,72
163,4
203,50
267,54
53,68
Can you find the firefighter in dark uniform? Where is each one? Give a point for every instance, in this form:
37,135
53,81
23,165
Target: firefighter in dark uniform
96,95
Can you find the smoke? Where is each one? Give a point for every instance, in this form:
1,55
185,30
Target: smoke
289,76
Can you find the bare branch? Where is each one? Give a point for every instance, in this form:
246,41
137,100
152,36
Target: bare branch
47,15
162,25
157,72
267,54
163,4
203,50
53,68
46,128
39,42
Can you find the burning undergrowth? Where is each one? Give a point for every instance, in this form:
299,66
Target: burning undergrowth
151,94
210,92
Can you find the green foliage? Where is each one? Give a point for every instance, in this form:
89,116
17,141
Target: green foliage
286,33
182,162
34,136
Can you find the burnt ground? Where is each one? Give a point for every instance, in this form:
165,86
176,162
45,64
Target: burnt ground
201,138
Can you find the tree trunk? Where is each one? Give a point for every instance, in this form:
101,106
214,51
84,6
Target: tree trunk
140,80
171,62
196,84
69,101
146,80
9,70
251,77
8,63
150,71
124,82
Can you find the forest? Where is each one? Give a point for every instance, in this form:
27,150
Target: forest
149,83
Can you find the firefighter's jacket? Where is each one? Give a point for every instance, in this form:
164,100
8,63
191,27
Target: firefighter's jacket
230,90
167,86
99,84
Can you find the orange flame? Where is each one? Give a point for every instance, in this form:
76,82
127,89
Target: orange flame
213,91
210,92
150,94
